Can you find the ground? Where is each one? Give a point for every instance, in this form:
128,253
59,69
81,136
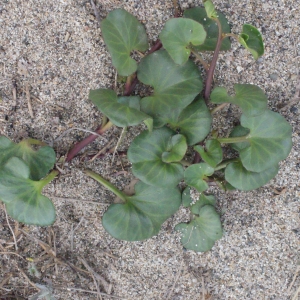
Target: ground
51,55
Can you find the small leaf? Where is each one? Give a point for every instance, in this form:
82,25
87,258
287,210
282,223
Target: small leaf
145,154
177,36
22,196
210,9
143,214
39,161
250,98
195,174
175,87
202,232
213,154
236,132
210,26
252,40
176,149
122,111
122,33
242,179
202,201
194,122
186,198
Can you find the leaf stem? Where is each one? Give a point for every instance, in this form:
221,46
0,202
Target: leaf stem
31,141
219,107
224,163
200,59
46,180
231,140
225,35
107,184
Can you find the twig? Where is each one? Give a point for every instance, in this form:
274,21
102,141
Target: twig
12,253
96,12
175,281
122,135
5,280
29,101
30,282
294,279
219,107
72,233
103,150
295,297
13,234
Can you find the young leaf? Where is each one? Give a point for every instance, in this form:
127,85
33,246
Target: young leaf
22,196
252,40
176,149
142,215
177,36
210,9
145,154
39,161
213,154
175,86
210,26
202,201
242,179
122,33
250,98
203,231
194,121
186,198
122,111
195,174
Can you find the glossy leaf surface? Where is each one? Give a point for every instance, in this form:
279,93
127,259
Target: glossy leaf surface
175,87
242,179
203,231
122,111
22,196
199,14
202,201
143,214
122,33
250,98
213,154
178,34
145,154
176,149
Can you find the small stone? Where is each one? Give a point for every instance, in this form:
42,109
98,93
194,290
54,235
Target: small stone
239,69
294,109
273,76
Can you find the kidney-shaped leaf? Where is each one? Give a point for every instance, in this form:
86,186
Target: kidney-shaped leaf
252,40
145,154
122,111
176,149
122,33
175,86
143,214
195,174
210,26
177,36
194,121
245,180
270,141
202,232
250,98
213,154
39,161
22,196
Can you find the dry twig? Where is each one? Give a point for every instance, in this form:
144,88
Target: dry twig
13,233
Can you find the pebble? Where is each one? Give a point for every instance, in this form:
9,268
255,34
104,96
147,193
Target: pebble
273,76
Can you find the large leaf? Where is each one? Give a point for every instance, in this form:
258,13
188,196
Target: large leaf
250,98
195,174
122,33
199,14
252,40
239,131
245,180
176,149
270,141
39,161
202,232
186,198
194,121
213,154
175,86
145,154
22,196
122,111
177,36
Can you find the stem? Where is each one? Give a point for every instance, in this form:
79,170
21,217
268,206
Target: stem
210,73
155,47
107,184
40,184
231,140
200,59
130,84
31,141
217,108
224,163
79,146
225,35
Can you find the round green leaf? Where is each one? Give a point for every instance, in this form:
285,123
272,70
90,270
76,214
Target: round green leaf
177,36
237,132
199,14
195,174
252,40
194,122
210,9
186,198
39,161
202,201
176,149
122,111
202,232
175,86
213,154
122,33
242,179
22,196
270,141
145,154
250,98
143,214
